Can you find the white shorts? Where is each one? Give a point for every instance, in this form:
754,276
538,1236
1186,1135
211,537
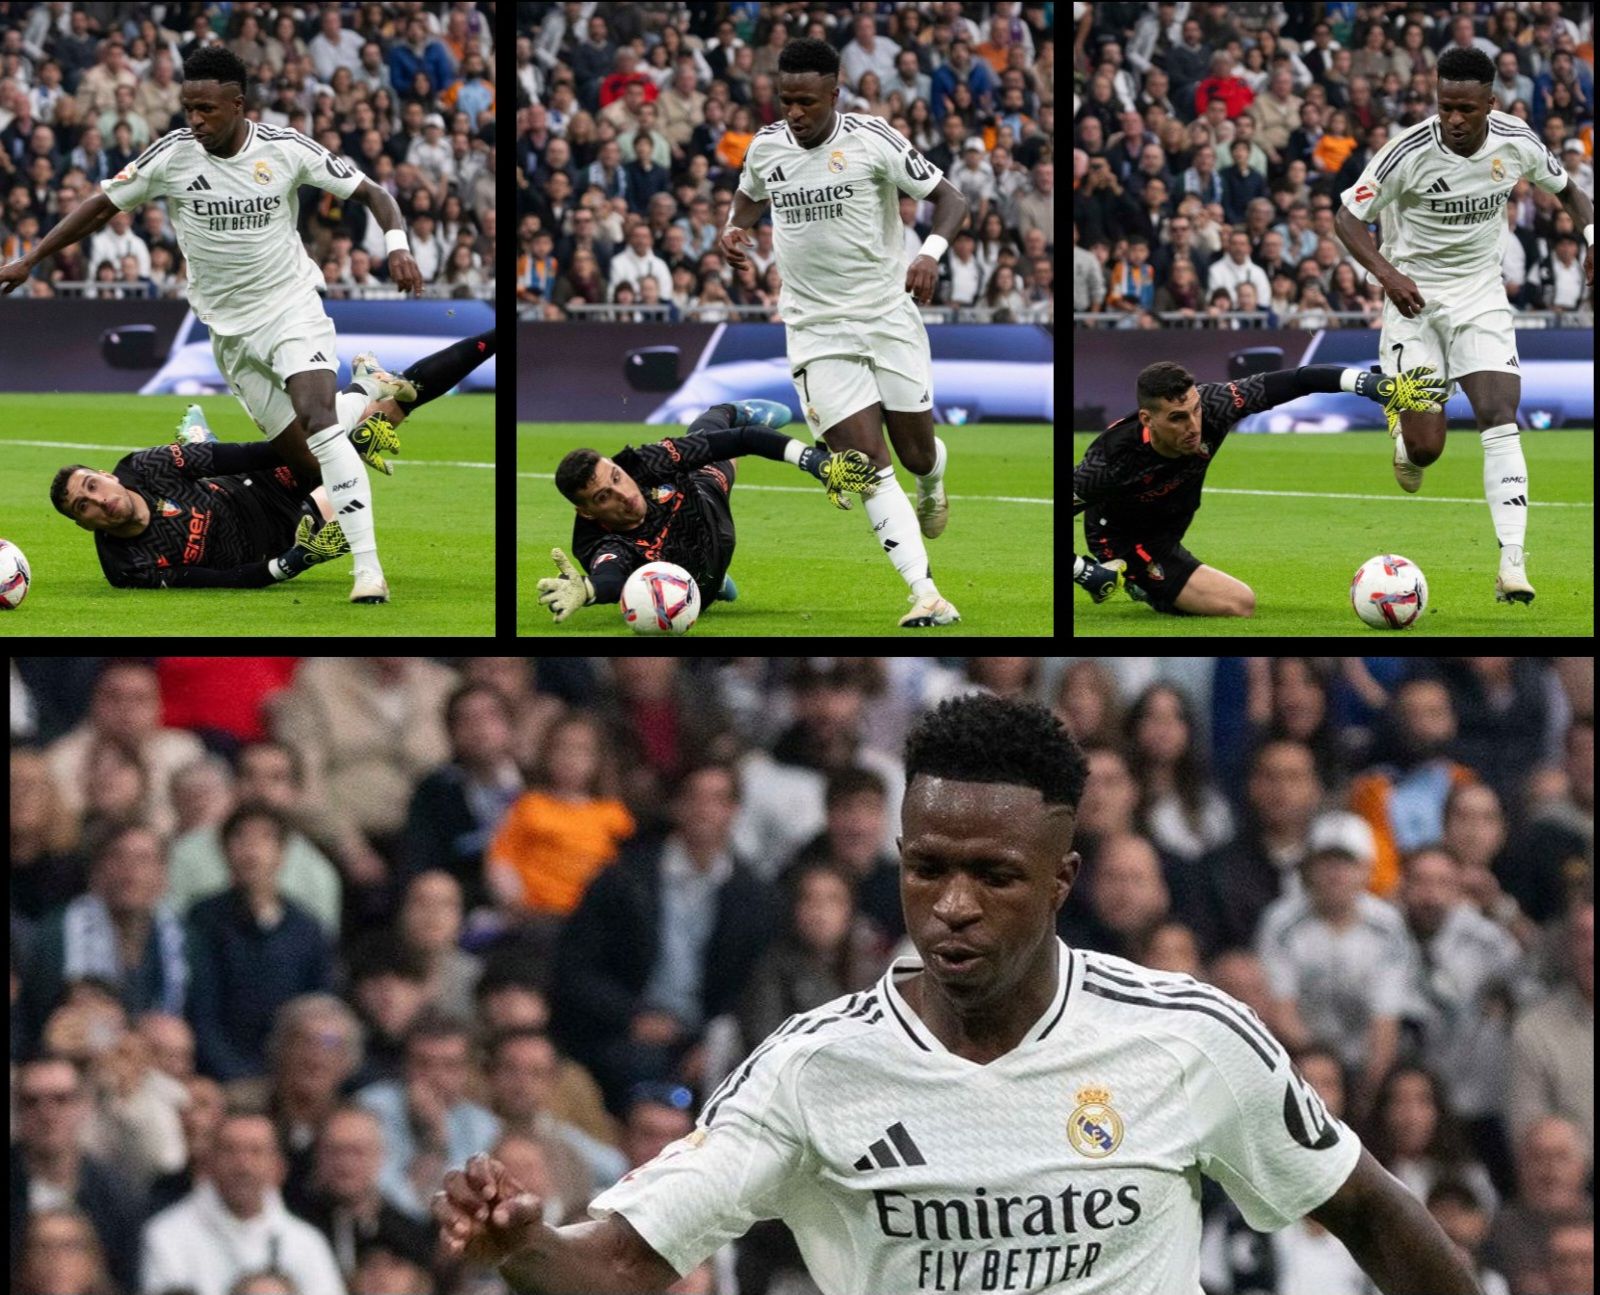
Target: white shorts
258,364
1485,343
846,365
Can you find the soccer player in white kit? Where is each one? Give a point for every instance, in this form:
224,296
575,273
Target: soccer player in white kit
858,351
230,185
1439,191
1001,1114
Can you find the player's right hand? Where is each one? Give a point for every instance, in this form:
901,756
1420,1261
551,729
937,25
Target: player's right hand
484,1214
732,243
13,274
1405,294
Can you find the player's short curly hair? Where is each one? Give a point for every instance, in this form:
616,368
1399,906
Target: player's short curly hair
1459,64
983,738
807,54
214,63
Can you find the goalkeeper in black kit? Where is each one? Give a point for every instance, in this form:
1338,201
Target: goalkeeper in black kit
1138,486
673,502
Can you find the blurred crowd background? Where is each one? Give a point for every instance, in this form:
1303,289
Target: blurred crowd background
1211,143
633,121
405,92
1391,860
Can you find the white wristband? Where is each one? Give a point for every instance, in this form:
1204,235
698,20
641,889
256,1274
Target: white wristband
934,246
1588,233
394,240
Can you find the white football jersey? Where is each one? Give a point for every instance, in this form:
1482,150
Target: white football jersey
235,217
1071,1164
1442,215
836,228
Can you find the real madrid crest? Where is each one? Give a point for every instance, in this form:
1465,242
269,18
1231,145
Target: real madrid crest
1497,169
1094,1128
263,173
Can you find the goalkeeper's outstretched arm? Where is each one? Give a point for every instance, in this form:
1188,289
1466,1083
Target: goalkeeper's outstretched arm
1418,389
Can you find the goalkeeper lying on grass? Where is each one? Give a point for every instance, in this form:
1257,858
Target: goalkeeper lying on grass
205,514
1139,483
673,502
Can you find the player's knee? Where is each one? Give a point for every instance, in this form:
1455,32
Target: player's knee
1495,417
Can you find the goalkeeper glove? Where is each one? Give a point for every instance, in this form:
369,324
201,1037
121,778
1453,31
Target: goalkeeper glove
315,542
847,470
1098,580
373,438
1415,390
567,591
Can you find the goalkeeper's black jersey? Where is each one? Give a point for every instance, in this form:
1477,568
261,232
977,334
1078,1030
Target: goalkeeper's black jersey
1125,489
685,481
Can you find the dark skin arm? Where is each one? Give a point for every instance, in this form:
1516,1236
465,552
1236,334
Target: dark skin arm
88,217
385,210
949,211
1392,1236
1582,211
742,219
1355,235
486,1217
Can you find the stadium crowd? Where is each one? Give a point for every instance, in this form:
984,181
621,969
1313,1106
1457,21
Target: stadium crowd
289,937
1212,143
404,92
633,122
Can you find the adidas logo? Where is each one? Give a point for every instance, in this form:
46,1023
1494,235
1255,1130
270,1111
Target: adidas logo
1438,186
894,1148
199,183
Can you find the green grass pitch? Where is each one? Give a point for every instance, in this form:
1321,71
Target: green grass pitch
1293,516
435,520
805,568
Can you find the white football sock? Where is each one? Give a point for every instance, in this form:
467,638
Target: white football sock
940,458
349,492
1505,482
348,405
894,522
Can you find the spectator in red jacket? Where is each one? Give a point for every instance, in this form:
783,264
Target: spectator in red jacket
1223,85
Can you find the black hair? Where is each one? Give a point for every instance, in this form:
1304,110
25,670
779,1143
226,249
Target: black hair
216,63
381,954
466,692
249,812
854,781
1454,1191
498,1042
1163,380
807,54
575,471
1457,64
982,738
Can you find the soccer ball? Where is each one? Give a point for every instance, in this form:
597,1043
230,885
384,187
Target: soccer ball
14,576
660,598
1389,592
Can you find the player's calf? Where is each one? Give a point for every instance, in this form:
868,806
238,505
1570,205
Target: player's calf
1214,593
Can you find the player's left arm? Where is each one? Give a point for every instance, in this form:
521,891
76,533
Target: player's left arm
1415,389
1392,1236
949,213
1578,206
385,210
